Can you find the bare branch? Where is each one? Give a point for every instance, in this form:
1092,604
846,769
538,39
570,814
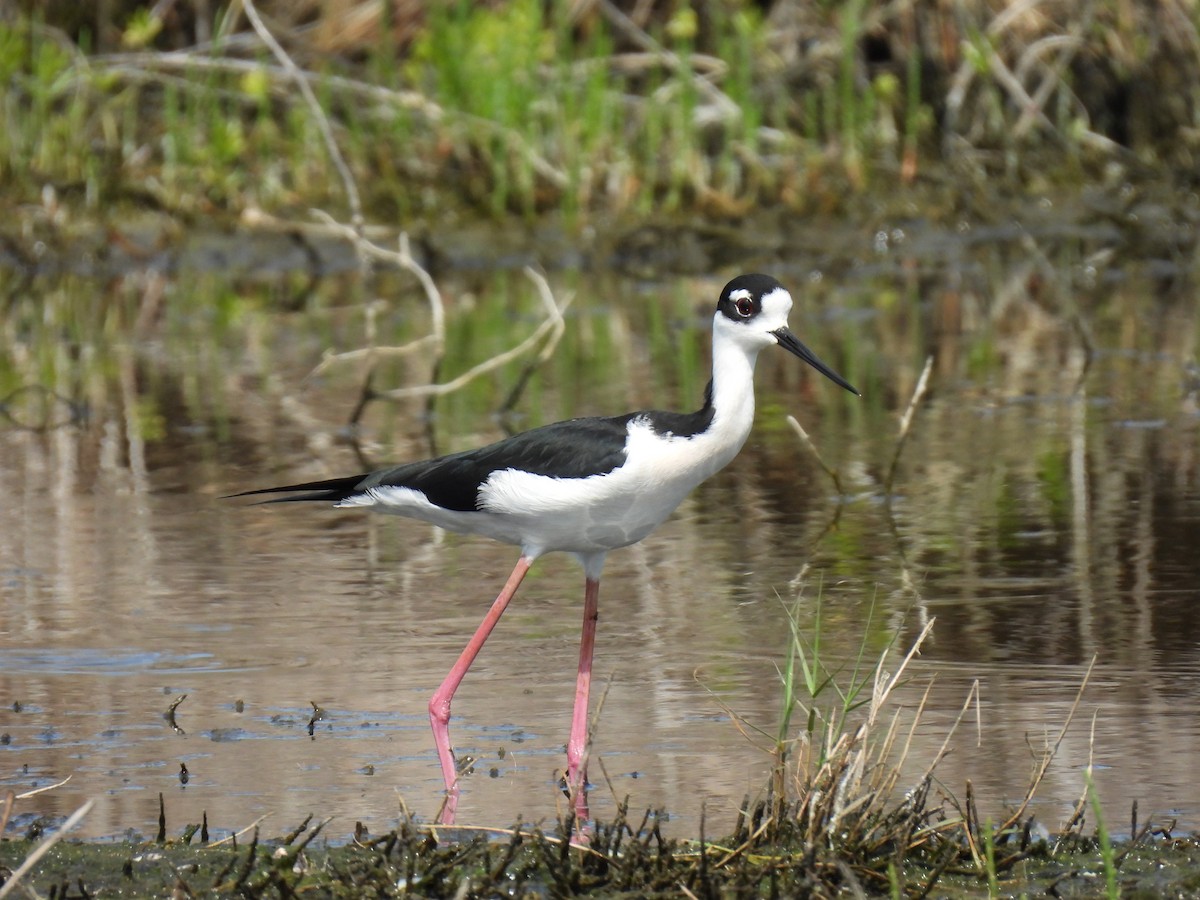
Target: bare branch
547,350
42,789
808,442
906,421
1051,753
233,837
552,325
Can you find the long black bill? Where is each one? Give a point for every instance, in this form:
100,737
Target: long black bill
791,344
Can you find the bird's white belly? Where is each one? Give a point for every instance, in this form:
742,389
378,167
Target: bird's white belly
581,515
603,512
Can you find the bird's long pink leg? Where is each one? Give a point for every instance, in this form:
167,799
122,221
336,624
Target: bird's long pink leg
439,703
577,744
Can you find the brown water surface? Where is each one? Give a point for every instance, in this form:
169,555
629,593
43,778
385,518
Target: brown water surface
1045,509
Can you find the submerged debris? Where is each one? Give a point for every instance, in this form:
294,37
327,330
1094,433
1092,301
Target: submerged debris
169,715
318,715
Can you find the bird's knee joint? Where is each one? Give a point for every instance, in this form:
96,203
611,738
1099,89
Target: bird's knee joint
439,710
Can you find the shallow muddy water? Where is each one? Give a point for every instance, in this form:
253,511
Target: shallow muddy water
1045,509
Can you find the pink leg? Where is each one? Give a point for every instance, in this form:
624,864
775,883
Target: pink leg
577,744
439,703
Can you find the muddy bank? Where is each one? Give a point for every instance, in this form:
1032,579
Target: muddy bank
1149,226
621,862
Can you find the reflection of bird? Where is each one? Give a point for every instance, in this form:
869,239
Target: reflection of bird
586,486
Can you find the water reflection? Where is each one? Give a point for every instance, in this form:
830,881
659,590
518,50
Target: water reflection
1045,510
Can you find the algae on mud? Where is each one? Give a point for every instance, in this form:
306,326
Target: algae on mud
626,859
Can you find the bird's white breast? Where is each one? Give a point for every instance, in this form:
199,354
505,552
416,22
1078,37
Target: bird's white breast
602,512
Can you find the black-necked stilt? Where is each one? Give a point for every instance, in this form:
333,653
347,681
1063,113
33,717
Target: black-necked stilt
585,486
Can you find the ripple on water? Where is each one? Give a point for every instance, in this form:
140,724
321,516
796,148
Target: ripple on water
105,661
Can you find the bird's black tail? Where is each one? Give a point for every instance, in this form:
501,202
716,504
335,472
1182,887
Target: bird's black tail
331,490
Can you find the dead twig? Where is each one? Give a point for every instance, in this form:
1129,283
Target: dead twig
233,837
812,448
43,789
1050,754
435,341
906,422
551,325
531,366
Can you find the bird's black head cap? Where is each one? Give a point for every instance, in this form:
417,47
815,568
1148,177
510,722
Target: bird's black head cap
742,298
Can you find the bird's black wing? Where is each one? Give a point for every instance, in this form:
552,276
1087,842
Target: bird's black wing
575,448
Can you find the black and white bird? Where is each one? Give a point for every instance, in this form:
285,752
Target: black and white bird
584,486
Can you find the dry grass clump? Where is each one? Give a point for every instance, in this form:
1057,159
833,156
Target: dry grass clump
838,808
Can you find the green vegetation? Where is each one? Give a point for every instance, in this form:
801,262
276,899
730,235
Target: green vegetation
805,680
526,107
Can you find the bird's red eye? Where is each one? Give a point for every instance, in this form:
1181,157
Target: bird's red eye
744,306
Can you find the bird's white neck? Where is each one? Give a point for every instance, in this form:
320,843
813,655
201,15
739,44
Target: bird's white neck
732,399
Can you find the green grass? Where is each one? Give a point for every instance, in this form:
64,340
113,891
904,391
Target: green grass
1107,855
806,681
524,108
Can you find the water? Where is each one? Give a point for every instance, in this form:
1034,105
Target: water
1045,509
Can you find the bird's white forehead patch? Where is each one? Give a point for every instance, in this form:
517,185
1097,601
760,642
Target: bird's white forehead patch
740,294
777,304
